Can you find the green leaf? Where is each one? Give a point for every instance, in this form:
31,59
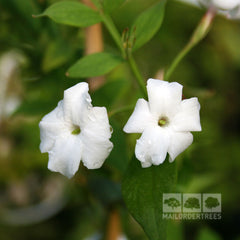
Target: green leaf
143,189
72,13
147,24
94,65
110,5
97,4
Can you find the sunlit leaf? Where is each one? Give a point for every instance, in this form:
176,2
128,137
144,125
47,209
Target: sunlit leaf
94,65
72,13
147,24
143,190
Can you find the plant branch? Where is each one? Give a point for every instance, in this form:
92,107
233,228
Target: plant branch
117,38
200,32
114,32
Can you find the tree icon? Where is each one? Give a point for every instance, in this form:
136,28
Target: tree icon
211,202
172,202
192,202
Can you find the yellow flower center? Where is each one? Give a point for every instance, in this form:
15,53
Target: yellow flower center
76,130
163,121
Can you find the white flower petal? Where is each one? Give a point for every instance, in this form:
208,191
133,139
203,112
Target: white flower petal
97,125
153,145
95,137
146,164
51,126
179,141
228,8
164,97
66,155
220,4
77,102
140,118
234,13
188,118
226,4
95,153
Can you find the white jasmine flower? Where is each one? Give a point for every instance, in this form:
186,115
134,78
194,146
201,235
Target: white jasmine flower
222,4
75,131
229,8
165,122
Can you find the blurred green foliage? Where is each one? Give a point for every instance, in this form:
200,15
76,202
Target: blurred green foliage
212,164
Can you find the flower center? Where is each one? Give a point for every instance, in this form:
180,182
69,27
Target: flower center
163,121
76,130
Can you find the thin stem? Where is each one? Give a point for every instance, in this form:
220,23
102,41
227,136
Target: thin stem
200,32
119,110
177,60
117,38
137,74
114,32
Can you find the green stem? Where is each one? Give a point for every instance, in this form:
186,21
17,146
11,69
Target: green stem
114,32
200,32
119,110
136,72
117,38
177,60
